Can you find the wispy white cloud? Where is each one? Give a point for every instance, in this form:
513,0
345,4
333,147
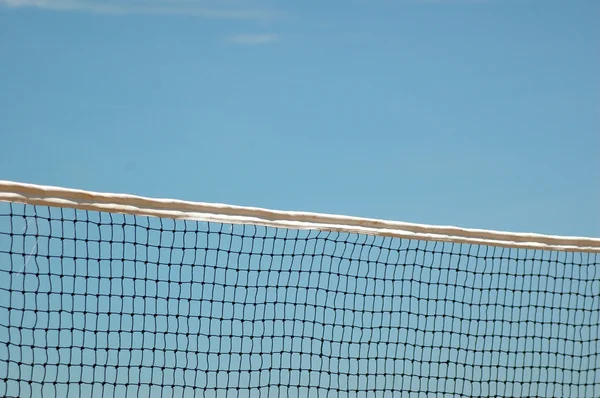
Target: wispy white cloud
201,8
451,1
252,39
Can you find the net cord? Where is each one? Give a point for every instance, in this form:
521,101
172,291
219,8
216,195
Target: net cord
228,214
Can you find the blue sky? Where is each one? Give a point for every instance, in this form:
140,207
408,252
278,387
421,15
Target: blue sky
473,113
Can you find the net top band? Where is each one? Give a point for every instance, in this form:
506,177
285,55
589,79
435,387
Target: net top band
228,214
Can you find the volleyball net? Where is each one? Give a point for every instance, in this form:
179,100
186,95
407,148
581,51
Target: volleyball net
118,295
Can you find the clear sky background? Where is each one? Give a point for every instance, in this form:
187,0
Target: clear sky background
474,113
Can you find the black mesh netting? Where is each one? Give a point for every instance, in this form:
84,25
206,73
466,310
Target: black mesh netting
99,304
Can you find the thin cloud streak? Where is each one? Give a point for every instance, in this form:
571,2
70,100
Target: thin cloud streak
252,39
452,1
198,8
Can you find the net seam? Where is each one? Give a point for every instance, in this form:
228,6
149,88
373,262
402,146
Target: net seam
229,214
